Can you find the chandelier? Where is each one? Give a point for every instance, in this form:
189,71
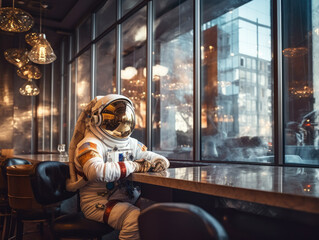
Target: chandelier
29,71
18,57
29,89
15,20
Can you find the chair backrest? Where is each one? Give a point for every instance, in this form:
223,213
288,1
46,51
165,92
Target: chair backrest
179,221
48,182
3,173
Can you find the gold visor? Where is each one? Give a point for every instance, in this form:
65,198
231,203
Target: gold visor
118,119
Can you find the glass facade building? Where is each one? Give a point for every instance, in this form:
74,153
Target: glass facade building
210,81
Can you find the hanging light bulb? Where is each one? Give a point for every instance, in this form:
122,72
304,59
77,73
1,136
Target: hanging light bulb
42,52
29,89
29,71
15,20
18,57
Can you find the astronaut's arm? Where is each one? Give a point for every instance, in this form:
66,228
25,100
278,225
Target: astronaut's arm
158,162
95,169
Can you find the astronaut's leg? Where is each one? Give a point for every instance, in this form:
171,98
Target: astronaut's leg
123,217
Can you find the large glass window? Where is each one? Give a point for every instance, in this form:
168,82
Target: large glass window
84,33
105,65
44,110
237,81
133,68
172,94
128,5
56,106
83,83
300,20
237,113
105,17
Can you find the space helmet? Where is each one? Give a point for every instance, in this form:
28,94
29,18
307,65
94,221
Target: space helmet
113,117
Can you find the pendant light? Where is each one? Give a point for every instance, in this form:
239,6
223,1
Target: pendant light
18,57
29,88
15,20
29,71
32,38
42,52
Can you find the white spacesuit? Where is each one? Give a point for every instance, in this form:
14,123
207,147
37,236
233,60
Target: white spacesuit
103,154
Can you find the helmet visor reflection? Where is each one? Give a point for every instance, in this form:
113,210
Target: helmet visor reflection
118,119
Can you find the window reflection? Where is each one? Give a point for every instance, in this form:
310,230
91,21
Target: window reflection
237,111
133,77
300,73
106,16
105,65
172,94
84,33
128,5
83,83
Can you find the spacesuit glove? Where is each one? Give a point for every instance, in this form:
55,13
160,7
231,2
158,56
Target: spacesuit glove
142,165
158,165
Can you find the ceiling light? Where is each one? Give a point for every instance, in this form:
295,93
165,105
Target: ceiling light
29,71
29,89
42,52
32,38
18,57
15,20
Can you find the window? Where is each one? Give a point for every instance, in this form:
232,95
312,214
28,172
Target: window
300,79
83,81
172,94
85,31
230,120
105,16
237,80
133,69
242,61
105,65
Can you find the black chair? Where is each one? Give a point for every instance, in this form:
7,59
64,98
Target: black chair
48,184
173,221
5,210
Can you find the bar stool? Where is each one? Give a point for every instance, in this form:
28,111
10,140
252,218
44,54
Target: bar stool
5,209
24,207
173,221
48,184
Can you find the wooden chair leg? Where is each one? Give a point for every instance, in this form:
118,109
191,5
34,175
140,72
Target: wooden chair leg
6,227
19,229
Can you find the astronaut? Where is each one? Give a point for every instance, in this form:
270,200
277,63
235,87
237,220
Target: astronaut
102,154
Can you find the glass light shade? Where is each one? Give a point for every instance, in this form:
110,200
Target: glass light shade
42,52
15,20
29,71
32,38
18,57
29,89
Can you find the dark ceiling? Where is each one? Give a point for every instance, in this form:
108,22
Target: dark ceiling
59,17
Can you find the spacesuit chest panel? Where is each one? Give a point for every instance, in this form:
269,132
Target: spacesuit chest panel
120,155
